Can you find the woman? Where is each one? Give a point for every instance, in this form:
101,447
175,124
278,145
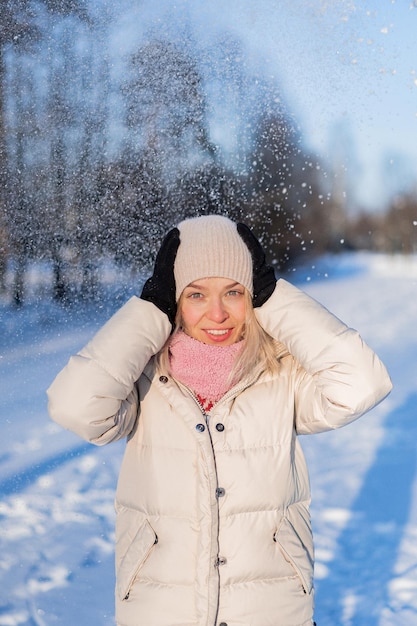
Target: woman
211,375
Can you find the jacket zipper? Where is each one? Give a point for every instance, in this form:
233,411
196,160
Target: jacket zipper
206,419
234,391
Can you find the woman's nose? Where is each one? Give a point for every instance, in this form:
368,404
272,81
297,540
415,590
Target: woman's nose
217,311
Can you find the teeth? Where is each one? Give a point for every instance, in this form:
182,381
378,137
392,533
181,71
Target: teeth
217,332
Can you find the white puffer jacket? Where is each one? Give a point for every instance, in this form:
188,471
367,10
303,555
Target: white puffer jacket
213,524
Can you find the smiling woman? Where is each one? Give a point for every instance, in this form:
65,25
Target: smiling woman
213,310
210,375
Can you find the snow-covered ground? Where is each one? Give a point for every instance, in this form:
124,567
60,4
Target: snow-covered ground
56,492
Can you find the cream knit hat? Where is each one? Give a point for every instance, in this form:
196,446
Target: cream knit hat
211,247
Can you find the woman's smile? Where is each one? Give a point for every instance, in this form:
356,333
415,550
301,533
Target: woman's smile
219,335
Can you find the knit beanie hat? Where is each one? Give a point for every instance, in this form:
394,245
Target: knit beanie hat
211,247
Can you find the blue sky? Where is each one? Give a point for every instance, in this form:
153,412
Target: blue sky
355,64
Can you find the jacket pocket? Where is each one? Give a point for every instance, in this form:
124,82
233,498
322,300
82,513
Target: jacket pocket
295,552
138,548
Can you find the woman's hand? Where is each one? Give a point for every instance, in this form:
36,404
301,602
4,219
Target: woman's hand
264,280
160,287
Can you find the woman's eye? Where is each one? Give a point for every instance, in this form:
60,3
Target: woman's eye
234,293
195,296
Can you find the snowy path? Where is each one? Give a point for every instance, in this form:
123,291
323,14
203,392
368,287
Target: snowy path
364,478
56,493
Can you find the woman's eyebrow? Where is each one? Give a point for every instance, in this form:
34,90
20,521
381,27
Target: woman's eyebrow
201,287
194,286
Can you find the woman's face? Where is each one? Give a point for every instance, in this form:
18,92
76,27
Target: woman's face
213,310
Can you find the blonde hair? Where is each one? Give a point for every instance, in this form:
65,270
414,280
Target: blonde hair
260,352
260,349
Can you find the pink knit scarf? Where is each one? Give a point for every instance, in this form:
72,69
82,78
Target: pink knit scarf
205,369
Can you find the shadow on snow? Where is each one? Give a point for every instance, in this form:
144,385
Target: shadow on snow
21,480
371,539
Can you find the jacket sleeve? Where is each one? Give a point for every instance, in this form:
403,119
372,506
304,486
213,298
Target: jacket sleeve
95,394
338,376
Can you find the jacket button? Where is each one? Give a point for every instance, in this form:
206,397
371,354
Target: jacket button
220,492
200,427
163,379
221,560
222,624
220,427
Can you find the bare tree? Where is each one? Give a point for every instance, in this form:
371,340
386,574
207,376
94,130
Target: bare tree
22,232
131,205
209,188
168,141
284,187
166,106
400,224
94,86
18,29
